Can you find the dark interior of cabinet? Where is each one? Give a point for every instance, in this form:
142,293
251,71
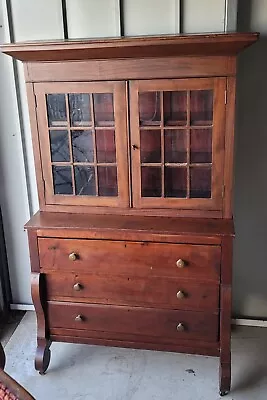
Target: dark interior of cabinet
176,143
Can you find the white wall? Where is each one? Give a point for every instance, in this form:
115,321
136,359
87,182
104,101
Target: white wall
151,17
250,265
145,17
90,18
13,189
203,16
18,192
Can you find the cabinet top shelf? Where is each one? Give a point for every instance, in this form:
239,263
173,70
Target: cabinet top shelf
132,224
216,44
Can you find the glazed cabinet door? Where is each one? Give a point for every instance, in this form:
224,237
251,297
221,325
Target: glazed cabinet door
83,141
177,143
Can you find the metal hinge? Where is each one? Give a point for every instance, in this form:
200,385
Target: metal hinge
225,97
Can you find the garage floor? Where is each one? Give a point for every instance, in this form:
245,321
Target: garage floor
100,373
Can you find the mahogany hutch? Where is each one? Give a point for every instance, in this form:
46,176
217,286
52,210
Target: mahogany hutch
133,144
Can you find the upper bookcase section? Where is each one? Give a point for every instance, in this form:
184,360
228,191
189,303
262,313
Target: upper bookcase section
220,44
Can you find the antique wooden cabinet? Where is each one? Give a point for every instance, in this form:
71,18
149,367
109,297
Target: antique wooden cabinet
133,143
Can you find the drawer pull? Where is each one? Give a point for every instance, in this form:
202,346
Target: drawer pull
180,327
79,318
180,295
77,287
180,263
73,256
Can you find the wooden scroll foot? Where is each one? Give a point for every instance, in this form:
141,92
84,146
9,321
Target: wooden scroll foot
42,358
43,353
225,378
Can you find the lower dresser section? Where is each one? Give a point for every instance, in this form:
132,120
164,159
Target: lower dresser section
135,324
151,289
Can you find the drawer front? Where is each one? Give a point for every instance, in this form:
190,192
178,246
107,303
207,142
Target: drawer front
135,320
130,258
153,292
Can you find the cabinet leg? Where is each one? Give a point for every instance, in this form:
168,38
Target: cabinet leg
225,378
225,316
43,353
42,358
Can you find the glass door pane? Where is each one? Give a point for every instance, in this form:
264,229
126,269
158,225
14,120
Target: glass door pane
82,146
56,110
84,131
103,109
175,134
80,109
201,145
183,141
201,107
92,161
59,144
175,108
149,108
175,146
175,182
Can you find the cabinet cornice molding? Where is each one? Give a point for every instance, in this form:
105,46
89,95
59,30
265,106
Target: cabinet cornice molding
218,44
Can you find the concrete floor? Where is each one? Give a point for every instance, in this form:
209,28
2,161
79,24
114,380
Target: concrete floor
100,373
8,327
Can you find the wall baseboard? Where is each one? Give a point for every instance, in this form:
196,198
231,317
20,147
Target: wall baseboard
22,307
261,323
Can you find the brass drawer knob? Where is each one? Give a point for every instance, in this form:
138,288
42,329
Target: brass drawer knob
180,327
73,256
180,294
79,318
180,263
77,287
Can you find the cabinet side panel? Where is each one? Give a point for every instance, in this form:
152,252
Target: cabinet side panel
34,253
229,147
35,141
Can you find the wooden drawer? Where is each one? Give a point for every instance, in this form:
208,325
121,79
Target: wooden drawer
130,258
135,320
153,292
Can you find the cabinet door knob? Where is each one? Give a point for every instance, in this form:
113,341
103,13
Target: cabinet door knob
134,147
180,294
73,256
180,327
79,318
77,287
180,263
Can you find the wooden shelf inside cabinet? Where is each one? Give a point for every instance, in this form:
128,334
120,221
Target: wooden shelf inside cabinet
133,145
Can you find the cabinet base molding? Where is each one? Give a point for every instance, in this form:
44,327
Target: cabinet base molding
213,351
